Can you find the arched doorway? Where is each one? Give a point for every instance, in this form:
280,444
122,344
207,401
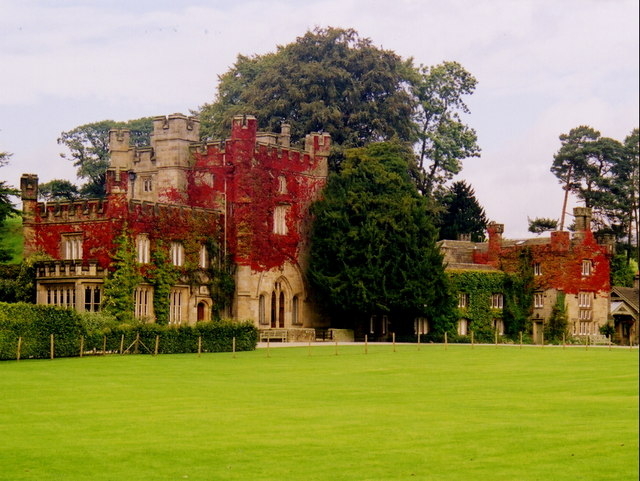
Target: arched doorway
201,311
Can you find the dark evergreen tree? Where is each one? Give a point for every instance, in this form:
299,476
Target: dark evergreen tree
463,215
374,249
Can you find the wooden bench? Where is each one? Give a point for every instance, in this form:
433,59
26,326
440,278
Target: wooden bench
273,335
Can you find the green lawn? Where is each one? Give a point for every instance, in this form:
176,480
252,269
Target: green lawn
458,414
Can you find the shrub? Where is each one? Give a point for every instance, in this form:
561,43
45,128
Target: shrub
35,323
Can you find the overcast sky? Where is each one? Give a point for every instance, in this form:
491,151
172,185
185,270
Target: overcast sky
543,68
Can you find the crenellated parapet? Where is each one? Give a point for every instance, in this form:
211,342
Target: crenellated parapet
76,211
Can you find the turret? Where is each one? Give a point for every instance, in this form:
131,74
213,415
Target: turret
171,138
29,195
318,145
121,152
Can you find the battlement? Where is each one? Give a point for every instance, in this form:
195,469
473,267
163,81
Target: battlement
77,211
175,127
318,144
29,187
155,208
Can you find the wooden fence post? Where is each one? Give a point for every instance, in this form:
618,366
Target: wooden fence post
233,346
495,338
136,349
19,348
520,339
81,345
471,339
122,344
366,344
104,345
199,346
445,340
419,334
393,338
268,347
155,351
336,347
52,347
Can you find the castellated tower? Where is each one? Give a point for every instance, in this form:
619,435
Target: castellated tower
157,171
170,142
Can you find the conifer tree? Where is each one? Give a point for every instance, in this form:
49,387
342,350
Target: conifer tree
374,247
119,285
463,214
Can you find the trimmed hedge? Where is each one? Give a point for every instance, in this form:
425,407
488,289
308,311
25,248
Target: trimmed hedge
35,324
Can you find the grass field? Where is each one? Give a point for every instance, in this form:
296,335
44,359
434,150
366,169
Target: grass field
457,414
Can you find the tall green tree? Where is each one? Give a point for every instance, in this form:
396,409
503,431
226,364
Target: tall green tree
120,283
444,140
88,149
603,173
329,79
6,205
374,249
463,214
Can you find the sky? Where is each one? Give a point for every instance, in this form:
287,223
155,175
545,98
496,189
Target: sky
543,67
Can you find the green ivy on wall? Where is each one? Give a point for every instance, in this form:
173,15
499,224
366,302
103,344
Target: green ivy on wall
162,277
120,283
517,291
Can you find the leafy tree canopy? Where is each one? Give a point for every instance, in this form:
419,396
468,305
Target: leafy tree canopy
58,189
603,173
443,139
329,79
463,215
333,80
374,247
542,224
88,149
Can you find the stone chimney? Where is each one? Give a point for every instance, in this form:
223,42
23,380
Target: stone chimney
495,231
284,139
582,216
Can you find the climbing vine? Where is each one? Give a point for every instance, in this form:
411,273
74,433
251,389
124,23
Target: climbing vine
480,286
122,279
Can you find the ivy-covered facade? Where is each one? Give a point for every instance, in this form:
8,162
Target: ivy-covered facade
188,231
542,287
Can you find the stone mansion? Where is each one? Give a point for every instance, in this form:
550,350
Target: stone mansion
241,206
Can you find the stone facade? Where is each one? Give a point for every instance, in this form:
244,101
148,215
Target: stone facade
247,196
575,266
